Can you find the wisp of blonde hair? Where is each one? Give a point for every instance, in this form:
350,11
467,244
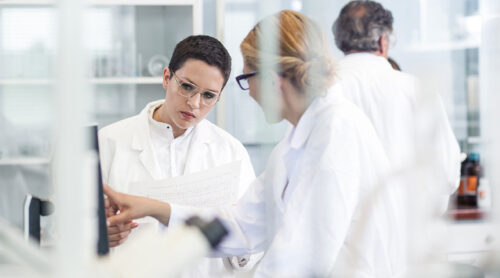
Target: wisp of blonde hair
303,53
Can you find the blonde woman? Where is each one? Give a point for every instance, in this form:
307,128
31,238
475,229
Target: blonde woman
304,208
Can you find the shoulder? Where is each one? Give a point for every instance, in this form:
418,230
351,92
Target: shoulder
217,135
343,130
341,116
121,129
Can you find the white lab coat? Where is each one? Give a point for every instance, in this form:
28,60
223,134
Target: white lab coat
407,120
414,129
127,156
310,227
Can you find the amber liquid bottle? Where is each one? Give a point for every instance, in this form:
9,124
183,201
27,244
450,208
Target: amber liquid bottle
469,182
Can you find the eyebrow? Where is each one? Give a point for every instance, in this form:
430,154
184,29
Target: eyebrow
189,80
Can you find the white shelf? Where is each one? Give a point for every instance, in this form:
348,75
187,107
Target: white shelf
127,80
108,80
107,2
28,81
444,46
25,161
474,140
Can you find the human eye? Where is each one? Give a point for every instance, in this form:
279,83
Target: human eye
209,95
187,87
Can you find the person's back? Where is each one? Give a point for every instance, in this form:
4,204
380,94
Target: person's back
391,99
411,124
387,97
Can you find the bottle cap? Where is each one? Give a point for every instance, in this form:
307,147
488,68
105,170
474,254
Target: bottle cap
474,156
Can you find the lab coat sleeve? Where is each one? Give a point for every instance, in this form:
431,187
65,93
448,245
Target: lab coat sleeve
446,155
245,222
438,146
436,135
450,151
247,177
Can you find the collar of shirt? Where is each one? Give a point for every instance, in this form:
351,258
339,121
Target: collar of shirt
163,131
296,139
299,134
363,58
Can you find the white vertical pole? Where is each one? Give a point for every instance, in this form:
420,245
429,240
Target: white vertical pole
197,17
268,43
489,71
73,245
220,109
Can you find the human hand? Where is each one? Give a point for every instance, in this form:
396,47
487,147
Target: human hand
117,234
122,208
132,207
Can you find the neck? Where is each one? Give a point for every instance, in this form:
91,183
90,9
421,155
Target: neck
294,117
296,103
160,115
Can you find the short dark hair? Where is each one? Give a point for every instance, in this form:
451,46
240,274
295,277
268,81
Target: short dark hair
203,48
360,25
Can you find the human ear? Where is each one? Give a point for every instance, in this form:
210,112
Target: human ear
166,77
384,45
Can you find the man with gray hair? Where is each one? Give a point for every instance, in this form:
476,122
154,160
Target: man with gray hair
363,26
411,123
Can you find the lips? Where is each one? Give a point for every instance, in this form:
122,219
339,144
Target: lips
187,115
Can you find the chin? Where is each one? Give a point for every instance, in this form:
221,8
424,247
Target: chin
272,118
183,124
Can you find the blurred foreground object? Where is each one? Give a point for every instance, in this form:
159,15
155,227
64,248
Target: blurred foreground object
167,254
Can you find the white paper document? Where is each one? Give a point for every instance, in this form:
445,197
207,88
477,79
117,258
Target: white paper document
210,188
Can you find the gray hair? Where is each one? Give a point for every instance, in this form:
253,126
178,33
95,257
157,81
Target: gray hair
360,25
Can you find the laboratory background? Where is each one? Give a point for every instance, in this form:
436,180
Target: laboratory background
100,61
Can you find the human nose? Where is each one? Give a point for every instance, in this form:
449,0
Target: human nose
195,100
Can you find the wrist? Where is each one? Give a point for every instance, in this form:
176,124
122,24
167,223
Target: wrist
161,212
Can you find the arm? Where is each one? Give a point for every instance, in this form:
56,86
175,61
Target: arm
247,230
134,207
448,151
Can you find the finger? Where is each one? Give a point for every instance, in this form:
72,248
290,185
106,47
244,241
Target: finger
122,241
120,236
110,212
114,243
117,219
122,227
109,204
112,195
114,230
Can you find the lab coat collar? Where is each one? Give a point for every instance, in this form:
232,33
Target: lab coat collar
141,137
365,57
161,127
299,134
142,142
199,146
